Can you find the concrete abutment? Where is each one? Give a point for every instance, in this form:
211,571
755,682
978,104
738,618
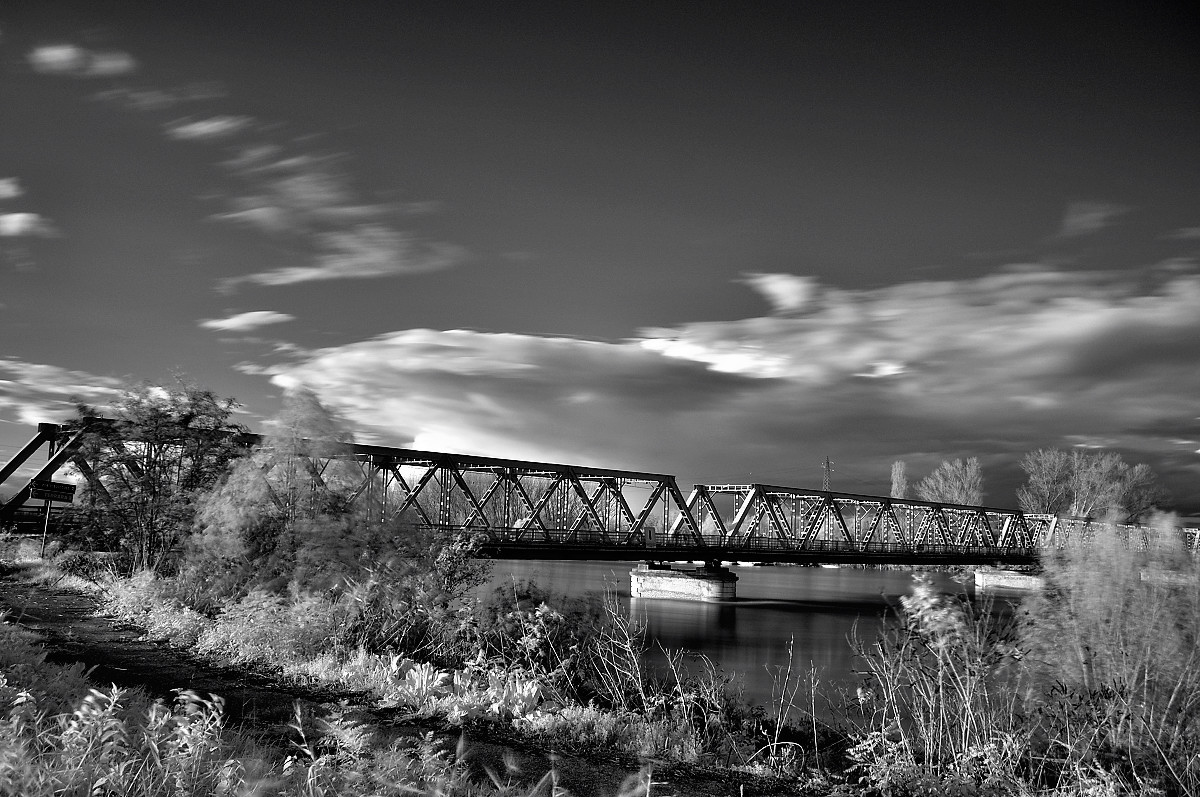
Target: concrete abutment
708,583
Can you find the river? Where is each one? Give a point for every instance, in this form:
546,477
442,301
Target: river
814,609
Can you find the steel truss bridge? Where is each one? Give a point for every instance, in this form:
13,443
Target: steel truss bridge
521,509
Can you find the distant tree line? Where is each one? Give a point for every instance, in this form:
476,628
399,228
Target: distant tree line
1074,483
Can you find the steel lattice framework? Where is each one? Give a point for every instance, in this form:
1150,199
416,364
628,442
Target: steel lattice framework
519,508
758,522
521,505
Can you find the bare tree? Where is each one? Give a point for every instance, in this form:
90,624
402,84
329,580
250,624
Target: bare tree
1087,485
956,482
899,480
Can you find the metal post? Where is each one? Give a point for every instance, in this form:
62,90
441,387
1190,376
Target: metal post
45,530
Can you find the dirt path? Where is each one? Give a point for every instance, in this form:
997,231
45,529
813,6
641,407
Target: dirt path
262,705
121,654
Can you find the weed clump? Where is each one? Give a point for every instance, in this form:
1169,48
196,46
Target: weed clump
1092,688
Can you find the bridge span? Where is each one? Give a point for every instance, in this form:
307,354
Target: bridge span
523,509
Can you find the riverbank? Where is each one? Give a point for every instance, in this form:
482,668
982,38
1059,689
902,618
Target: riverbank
268,711
1106,662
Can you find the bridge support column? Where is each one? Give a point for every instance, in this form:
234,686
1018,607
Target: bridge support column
708,583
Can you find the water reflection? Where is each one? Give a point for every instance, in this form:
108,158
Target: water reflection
815,610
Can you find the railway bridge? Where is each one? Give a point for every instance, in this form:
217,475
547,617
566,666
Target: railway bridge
539,510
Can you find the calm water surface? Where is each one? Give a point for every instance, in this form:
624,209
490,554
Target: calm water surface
816,607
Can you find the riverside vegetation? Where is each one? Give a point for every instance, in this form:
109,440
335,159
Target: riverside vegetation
1090,687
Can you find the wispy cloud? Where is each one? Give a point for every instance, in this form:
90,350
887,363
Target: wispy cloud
209,129
280,186
243,322
10,188
992,367
157,99
1085,218
368,250
309,198
32,393
76,61
26,225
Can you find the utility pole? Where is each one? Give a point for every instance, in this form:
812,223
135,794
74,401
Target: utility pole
826,469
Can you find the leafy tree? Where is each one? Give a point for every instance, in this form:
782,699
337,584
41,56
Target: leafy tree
283,511
287,519
899,480
1087,485
956,482
145,466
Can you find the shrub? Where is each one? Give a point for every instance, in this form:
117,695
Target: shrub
1114,662
938,710
149,601
275,628
90,565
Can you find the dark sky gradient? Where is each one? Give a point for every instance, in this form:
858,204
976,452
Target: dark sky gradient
716,240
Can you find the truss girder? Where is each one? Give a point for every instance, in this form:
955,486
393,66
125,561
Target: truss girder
520,502
511,501
759,515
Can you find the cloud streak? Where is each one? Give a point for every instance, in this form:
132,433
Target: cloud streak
1086,218
32,393
309,198
76,61
279,187
990,367
209,129
243,322
26,225
10,188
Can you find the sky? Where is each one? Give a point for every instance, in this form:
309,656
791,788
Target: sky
722,241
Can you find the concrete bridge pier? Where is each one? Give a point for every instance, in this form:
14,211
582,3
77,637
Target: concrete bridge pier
712,582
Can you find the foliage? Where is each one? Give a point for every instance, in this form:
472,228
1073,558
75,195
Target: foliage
937,708
145,468
267,627
955,482
282,515
617,652
1114,660
151,603
284,523
518,628
62,736
1087,485
899,480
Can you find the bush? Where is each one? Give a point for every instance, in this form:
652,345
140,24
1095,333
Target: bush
264,627
1114,662
938,711
94,566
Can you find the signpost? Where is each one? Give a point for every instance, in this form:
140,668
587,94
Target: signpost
63,492
49,491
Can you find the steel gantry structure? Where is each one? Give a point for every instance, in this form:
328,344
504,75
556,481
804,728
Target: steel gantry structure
517,508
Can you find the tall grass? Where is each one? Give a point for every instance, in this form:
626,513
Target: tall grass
938,708
571,679
62,737
1093,689
1113,666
